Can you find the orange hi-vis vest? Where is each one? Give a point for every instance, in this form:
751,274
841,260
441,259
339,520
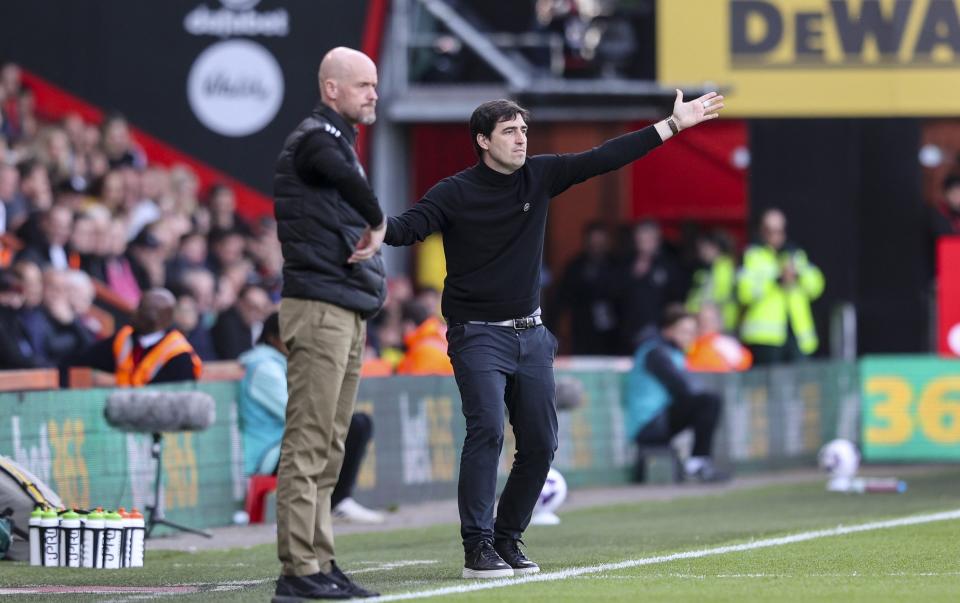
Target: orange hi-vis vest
130,375
426,351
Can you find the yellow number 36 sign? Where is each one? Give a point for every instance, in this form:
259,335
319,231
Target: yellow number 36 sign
911,408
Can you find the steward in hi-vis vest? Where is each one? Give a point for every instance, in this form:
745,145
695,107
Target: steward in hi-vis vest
776,286
148,350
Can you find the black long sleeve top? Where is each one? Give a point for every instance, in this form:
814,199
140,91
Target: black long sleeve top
319,161
493,225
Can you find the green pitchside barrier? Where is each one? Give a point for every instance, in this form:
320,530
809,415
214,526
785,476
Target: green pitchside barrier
772,418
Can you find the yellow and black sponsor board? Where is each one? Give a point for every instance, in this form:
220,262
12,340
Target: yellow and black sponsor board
816,57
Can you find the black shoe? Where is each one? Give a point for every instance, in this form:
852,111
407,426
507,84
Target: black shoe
355,590
484,562
509,551
294,589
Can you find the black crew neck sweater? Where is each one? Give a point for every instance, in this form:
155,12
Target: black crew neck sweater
493,225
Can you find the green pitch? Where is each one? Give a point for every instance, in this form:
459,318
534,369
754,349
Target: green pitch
911,562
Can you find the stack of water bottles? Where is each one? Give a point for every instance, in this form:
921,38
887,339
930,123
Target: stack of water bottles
99,539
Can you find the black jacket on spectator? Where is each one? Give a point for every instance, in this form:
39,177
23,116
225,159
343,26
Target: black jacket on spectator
587,290
641,300
318,204
16,351
231,336
56,341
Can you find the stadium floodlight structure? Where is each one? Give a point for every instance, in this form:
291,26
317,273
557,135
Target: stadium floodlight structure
158,412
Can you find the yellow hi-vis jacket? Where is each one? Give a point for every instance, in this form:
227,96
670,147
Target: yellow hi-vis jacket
768,305
715,284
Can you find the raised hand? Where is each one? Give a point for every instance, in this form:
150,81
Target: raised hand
698,110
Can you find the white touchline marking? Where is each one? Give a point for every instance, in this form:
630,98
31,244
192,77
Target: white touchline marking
389,565
720,550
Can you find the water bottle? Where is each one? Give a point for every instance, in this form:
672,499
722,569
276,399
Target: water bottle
93,540
135,539
112,541
124,544
891,485
35,518
50,538
70,539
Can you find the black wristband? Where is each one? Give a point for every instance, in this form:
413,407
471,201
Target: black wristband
672,124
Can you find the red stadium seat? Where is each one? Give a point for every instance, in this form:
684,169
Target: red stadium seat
257,490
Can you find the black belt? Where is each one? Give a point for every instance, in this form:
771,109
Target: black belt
520,324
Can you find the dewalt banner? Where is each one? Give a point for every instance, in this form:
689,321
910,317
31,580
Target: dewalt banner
784,58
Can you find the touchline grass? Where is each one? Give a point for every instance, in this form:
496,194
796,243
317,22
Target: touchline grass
918,562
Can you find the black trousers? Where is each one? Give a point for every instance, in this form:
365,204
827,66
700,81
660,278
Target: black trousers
699,411
355,448
497,368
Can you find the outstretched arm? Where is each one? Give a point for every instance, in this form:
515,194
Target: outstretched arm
569,169
430,214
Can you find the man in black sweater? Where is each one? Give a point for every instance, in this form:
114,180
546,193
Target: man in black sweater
493,217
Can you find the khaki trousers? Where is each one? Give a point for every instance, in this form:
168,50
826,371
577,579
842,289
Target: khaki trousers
323,371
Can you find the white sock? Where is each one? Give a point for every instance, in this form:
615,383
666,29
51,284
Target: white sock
694,464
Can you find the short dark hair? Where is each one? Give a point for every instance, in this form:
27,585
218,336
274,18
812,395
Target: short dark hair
271,329
951,181
415,312
673,314
486,117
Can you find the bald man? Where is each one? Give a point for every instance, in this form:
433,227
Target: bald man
330,227
146,351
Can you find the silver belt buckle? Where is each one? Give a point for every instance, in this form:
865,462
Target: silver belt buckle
527,322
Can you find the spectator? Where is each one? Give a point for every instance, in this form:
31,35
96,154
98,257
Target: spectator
662,400
59,333
714,281
714,351
121,277
238,328
647,283
35,185
263,405
38,196
222,205
118,144
82,294
188,320
587,290
16,350
147,260
191,254
425,341
110,190
15,205
148,350
84,244
226,249
50,247
776,286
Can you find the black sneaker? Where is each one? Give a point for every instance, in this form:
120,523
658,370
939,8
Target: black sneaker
484,562
509,551
355,590
294,589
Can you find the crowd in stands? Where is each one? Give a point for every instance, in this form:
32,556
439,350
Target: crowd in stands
88,224
614,298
